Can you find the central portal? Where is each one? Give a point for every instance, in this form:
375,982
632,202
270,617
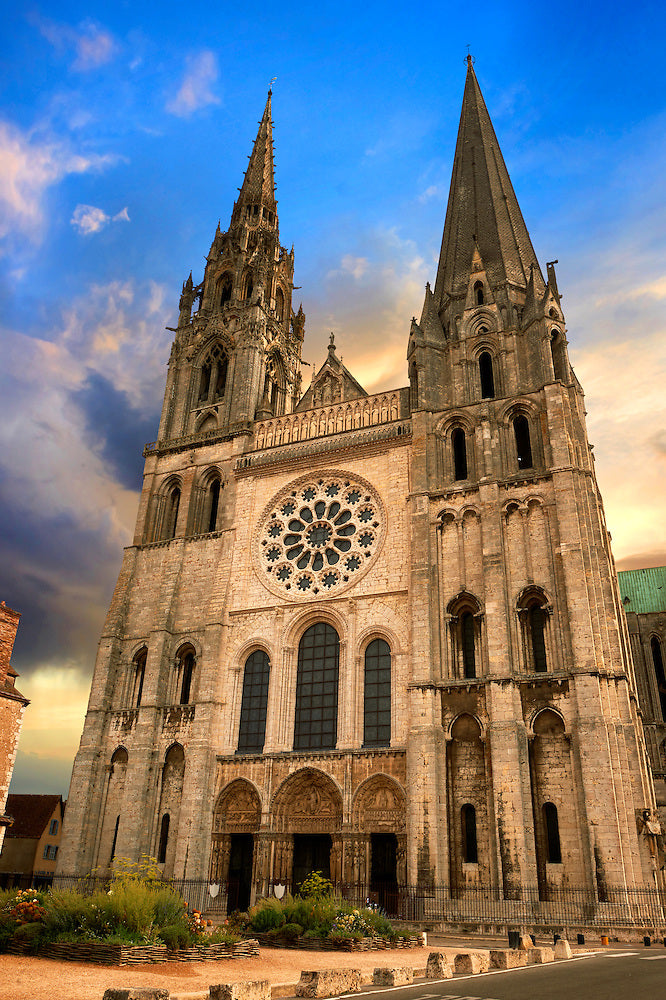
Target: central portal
312,853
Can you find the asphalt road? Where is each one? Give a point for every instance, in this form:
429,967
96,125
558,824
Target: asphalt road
608,975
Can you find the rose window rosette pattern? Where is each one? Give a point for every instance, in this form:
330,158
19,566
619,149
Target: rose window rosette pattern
320,535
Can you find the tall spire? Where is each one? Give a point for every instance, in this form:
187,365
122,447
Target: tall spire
258,189
482,210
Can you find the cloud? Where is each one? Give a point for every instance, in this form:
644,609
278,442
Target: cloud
28,167
195,91
433,191
88,219
92,45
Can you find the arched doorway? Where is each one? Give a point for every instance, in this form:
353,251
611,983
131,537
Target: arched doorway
378,818
235,824
307,812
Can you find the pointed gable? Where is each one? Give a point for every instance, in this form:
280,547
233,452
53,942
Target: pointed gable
333,383
482,215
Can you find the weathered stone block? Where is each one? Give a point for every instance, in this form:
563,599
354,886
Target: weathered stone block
258,989
438,966
539,956
137,993
526,942
329,982
472,962
503,959
392,977
563,949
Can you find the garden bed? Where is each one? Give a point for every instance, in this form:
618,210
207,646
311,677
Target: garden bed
120,954
336,944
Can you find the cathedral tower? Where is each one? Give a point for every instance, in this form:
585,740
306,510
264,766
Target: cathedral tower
373,635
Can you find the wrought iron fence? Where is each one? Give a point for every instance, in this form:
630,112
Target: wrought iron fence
529,906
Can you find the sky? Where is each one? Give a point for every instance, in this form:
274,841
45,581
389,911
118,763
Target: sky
124,135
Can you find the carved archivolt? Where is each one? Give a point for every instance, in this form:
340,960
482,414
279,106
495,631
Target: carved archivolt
238,809
379,806
307,802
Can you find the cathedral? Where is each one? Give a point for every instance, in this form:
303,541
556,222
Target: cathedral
378,636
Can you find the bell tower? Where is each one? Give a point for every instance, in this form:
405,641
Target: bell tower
237,350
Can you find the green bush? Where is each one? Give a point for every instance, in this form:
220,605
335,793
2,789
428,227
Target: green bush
222,935
292,931
175,936
266,915
315,886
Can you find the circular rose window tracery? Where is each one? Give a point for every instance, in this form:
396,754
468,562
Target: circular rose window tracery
319,535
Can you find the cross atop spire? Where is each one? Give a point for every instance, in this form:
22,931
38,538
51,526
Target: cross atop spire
258,189
482,210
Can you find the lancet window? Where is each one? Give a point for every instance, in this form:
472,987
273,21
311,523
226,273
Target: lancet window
465,631
213,377
316,719
658,663
521,432
185,664
459,445
138,676
252,731
469,842
377,695
486,375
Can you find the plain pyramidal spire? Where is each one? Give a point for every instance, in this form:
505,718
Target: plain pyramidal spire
482,212
258,188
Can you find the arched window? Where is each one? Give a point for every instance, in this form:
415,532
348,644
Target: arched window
204,381
171,513
467,634
559,355
536,617
478,292
252,732
413,386
459,453
115,838
316,720
139,673
164,839
275,383
213,504
552,830
521,430
469,844
377,695
213,378
225,289
186,662
279,304
658,662
248,287
465,630
486,375
533,612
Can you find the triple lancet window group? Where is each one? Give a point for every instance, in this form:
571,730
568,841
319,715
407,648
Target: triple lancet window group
317,680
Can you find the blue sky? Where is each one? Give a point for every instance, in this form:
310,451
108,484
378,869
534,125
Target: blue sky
124,136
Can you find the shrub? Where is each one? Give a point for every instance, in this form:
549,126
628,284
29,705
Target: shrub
222,935
315,886
266,915
175,936
292,931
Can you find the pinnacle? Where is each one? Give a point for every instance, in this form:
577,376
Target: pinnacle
482,214
258,188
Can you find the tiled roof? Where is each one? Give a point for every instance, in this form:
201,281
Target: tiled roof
30,813
643,590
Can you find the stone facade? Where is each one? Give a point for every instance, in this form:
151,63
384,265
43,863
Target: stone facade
12,708
378,636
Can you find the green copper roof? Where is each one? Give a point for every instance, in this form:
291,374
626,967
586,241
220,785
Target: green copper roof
643,590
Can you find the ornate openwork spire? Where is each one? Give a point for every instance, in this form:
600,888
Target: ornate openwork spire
258,189
482,210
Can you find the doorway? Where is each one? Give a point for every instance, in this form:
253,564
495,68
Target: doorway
384,870
312,853
240,871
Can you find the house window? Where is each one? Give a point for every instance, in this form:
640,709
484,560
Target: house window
316,720
377,699
252,732
50,852
53,828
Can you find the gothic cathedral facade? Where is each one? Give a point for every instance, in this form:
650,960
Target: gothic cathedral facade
378,636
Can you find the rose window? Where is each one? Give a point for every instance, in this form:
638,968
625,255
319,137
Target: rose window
318,536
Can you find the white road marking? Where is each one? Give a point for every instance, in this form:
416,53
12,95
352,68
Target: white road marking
652,958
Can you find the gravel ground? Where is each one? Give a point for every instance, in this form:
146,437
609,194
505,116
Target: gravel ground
23,978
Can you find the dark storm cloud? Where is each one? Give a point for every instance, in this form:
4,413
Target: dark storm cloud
116,429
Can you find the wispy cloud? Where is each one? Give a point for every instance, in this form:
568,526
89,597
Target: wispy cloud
196,89
28,167
91,44
88,219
